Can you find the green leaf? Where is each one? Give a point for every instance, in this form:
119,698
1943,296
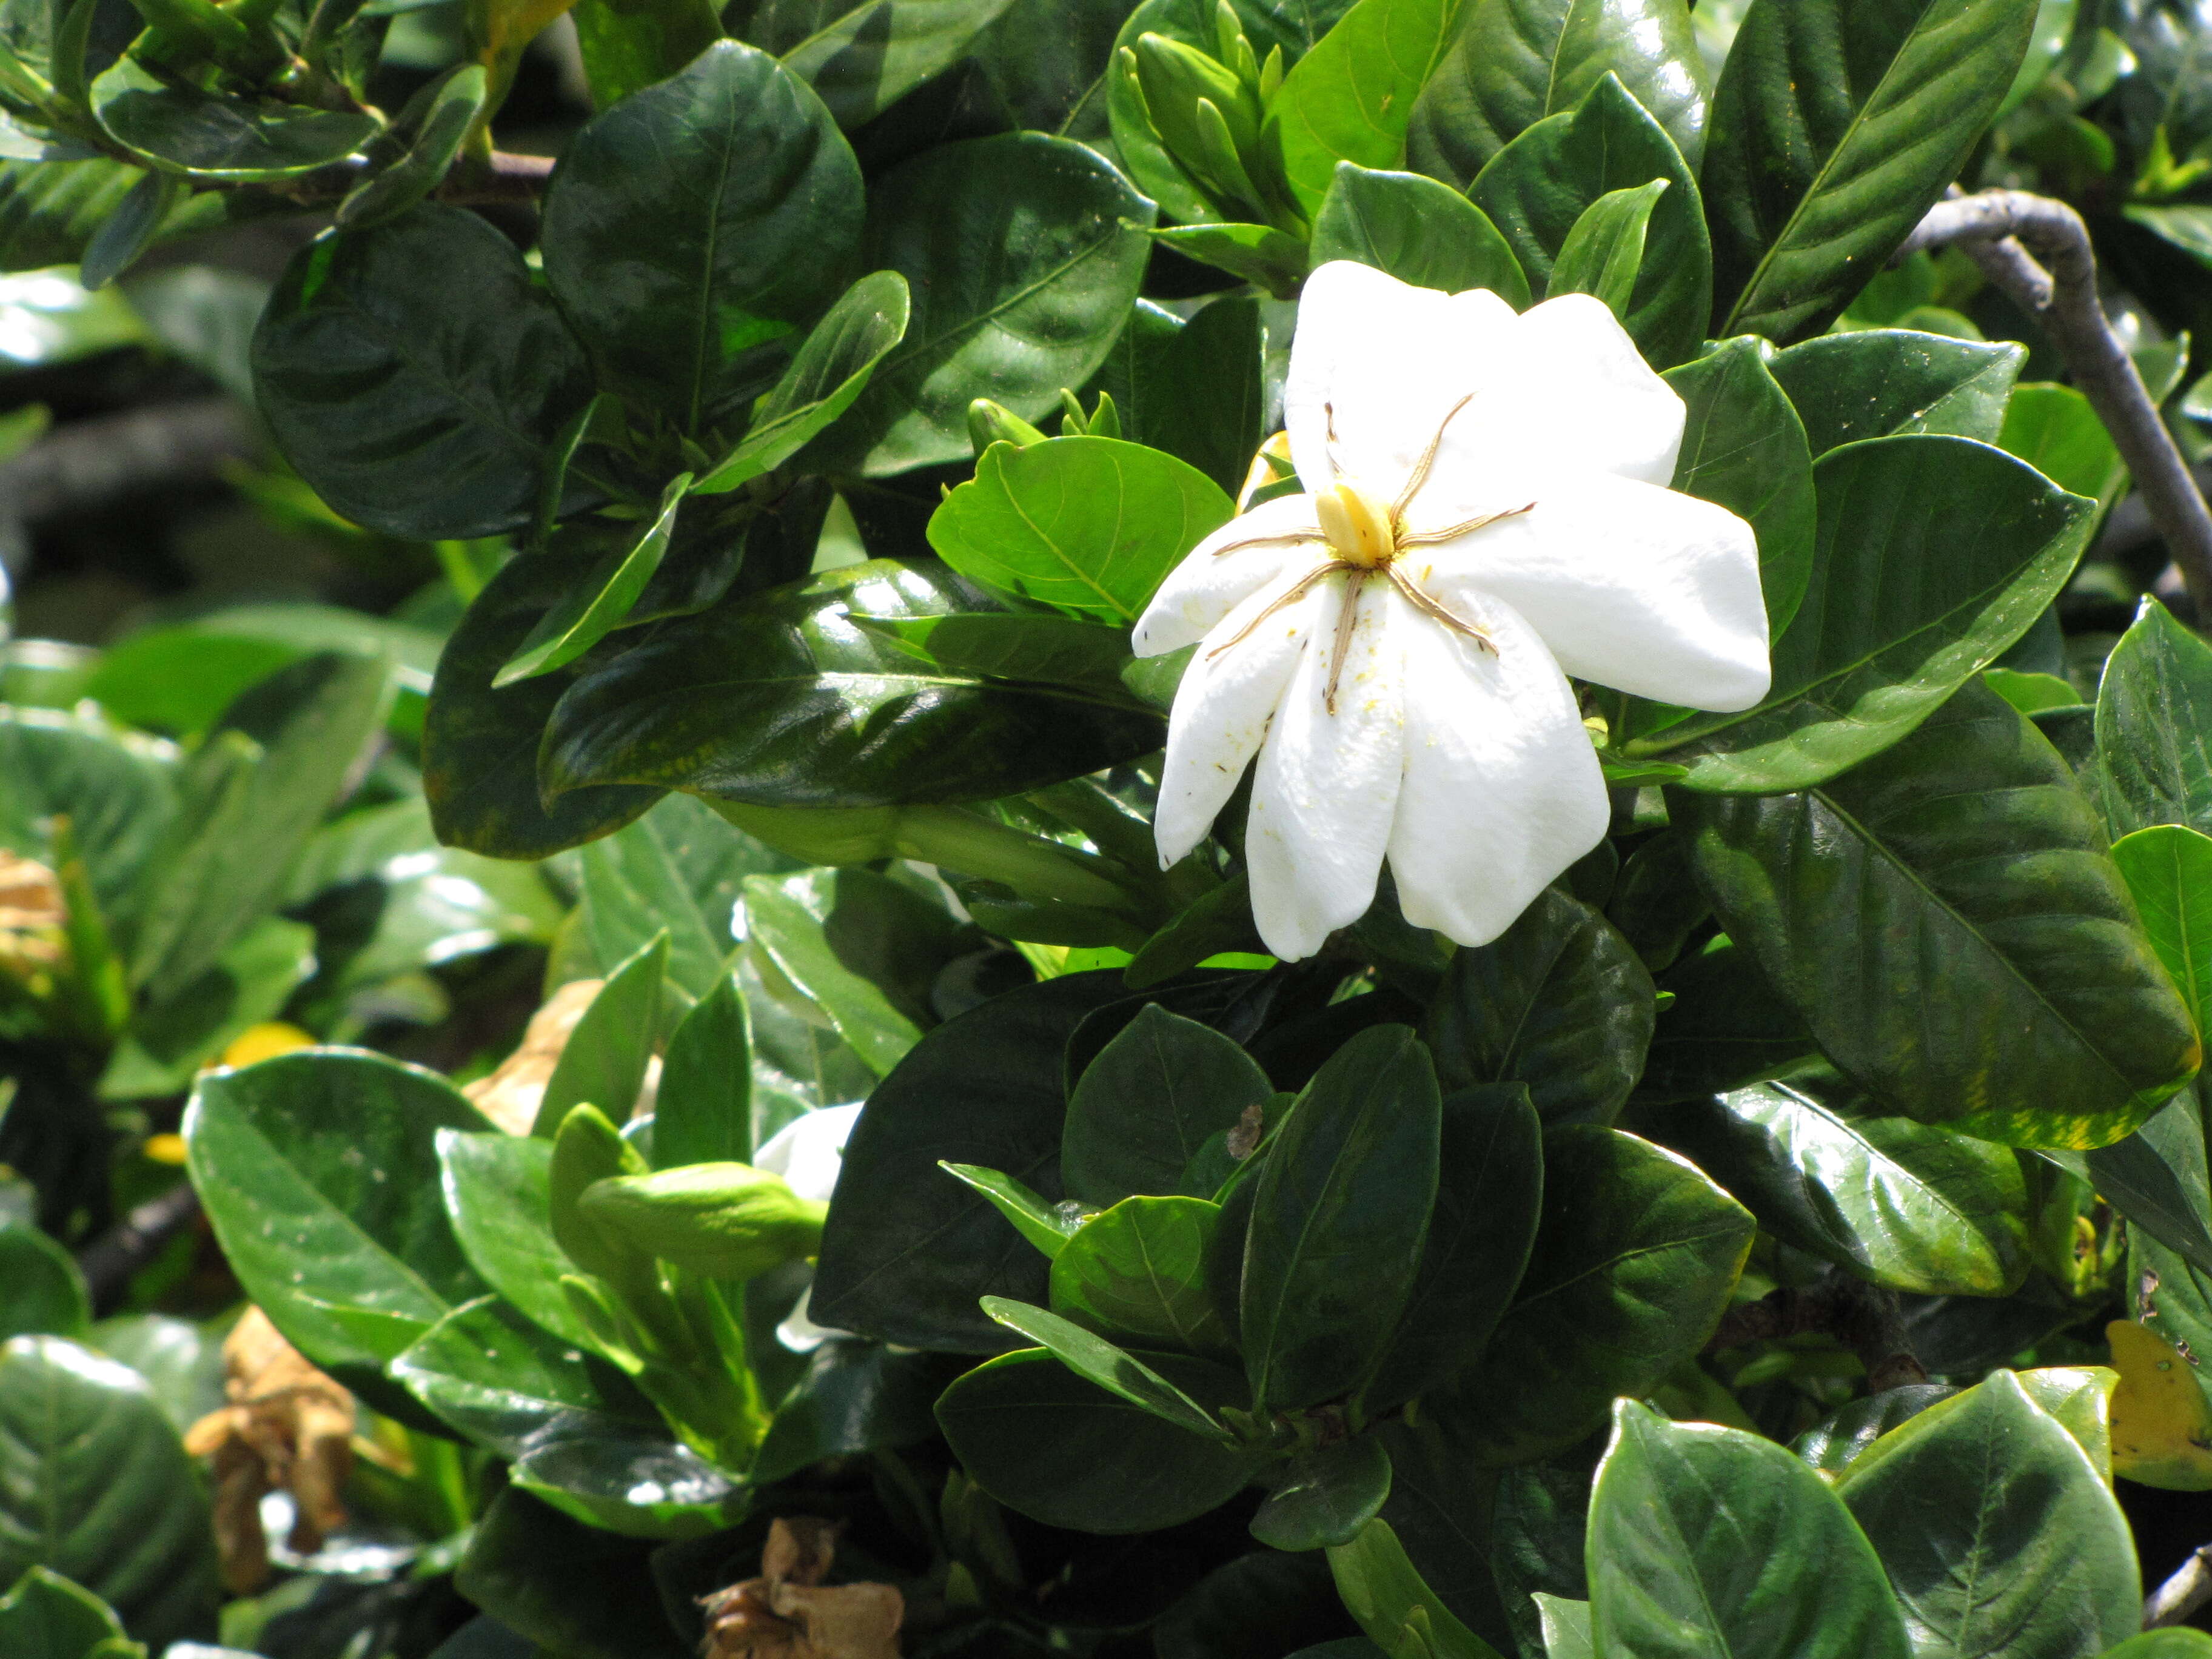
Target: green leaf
1048,1226
1901,1204
1065,1451
2163,1645
1874,906
1490,1184
1090,525
1350,98
507,1385
1604,248
168,1040
1705,1540
45,1616
319,1172
95,1486
639,1482
1341,1211
177,127
1154,1095
854,1397
496,1194
480,746
695,225
906,1253
137,222
556,1581
1024,253
1326,1496
778,700
50,211
2055,431
117,793
828,373
1137,1274
2155,725
1516,62
1113,1369
2156,1178
1635,1257
1538,187
1419,231
249,798
1890,382
1194,389
2168,870
46,1294
1382,1590
604,1061
629,45
874,54
1026,645
600,604
1559,1001
441,114
1835,127
2023,1552
1566,1627
703,1111
423,413
1934,554
1273,260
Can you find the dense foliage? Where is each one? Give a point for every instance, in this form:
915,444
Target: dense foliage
1792,1236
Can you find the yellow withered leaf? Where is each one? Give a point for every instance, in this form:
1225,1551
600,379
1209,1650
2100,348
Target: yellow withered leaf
2161,1425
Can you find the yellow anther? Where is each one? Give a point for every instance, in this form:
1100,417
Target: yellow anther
1358,525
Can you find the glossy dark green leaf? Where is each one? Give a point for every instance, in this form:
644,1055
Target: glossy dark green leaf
1350,98
1114,1369
2156,1178
496,1191
421,413
1090,525
507,1384
1604,248
1194,389
1339,1220
1518,61
44,1293
1538,186
638,1482
1264,1602
1831,1445
908,1249
566,1585
219,136
1137,1274
94,1485
1143,1109
1888,382
1402,1615
781,699
1726,1026
1326,1496
2168,871
132,230
789,918
1933,555
1044,1440
874,53
1902,1204
693,227
319,1171
826,375
854,1397
1025,644
2055,430
1835,126
434,121
50,211
1706,1540
1490,1188
703,1113
480,746
44,1616
1418,230
120,796
248,800
1560,1002
1995,1530
601,601
2155,725
1273,260
1874,904
604,1059
1636,1255
1023,253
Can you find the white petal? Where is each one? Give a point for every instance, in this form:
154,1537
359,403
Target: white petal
1388,359
1222,707
1643,589
1585,395
1201,590
810,1149
1502,789
800,1334
1327,783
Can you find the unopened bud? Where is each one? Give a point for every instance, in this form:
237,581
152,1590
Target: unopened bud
992,424
1177,80
727,1220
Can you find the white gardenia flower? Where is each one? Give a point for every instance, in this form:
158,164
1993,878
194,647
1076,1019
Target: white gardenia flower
1486,512
807,1152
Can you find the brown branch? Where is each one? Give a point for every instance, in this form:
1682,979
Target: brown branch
2003,231
505,178
1861,1316
2188,1589
112,1260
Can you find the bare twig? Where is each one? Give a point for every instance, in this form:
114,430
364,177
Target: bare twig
1997,229
2188,1589
506,178
1862,1316
112,1260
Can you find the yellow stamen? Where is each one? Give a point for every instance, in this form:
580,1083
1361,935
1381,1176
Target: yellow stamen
1357,525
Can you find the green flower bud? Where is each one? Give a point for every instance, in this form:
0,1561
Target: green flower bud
727,1220
992,424
588,1148
1178,81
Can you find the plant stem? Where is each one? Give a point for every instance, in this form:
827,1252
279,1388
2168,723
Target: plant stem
1997,229
2189,1588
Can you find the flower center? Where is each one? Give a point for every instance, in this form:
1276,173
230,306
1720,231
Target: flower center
1360,524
